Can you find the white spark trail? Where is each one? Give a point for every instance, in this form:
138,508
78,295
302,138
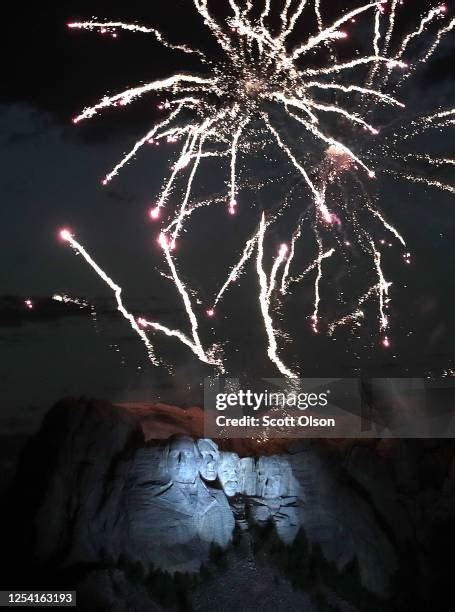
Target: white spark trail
386,224
330,32
429,17
353,64
377,31
125,97
289,260
440,115
249,7
276,266
294,19
235,7
220,37
317,10
331,108
196,344
131,27
312,266
380,216
67,236
438,40
383,287
272,349
356,315
300,168
177,167
234,147
423,180
356,88
237,269
140,143
434,161
331,141
296,102
188,191
392,19
169,332
317,297
346,320
266,11
284,16
66,299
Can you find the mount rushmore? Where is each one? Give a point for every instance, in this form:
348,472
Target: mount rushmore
114,493
101,490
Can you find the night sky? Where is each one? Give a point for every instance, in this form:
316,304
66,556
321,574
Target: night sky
51,173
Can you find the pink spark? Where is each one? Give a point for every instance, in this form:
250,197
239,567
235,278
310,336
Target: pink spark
325,213
163,241
29,304
155,212
336,219
210,312
386,342
65,235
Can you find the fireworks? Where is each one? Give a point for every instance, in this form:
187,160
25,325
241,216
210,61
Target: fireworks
263,87
67,299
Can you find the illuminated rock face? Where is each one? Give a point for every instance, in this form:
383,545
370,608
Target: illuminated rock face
302,489
172,515
276,499
210,459
112,495
229,473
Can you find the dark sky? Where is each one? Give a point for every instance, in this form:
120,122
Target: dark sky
51,169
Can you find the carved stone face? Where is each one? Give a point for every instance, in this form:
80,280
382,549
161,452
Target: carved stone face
229,473
210,459
183,460
270,478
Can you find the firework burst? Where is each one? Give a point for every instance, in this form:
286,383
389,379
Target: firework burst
266,86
